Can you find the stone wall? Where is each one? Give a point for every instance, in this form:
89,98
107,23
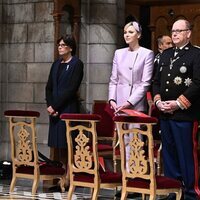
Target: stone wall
27,47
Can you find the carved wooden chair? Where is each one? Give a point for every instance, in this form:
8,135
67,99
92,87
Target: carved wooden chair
106,132
140,177
24,152
84,167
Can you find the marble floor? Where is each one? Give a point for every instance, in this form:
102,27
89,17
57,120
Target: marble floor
23,191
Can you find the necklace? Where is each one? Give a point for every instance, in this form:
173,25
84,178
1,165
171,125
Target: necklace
172,62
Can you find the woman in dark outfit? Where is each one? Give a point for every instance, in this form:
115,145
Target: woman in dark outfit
62,94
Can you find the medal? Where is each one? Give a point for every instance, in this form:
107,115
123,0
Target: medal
183,69
177,80
188,82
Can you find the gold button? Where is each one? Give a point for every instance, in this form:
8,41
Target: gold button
168,74
166,90
167,82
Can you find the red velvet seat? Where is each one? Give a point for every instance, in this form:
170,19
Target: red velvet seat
24,152
84,166
138,172
44,169
106,132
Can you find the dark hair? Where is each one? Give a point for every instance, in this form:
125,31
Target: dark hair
70,41
159,39
130,18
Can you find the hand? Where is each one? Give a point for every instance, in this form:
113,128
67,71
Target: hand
51,111
162,106
55,114
123,106
172,106
113,105
167,106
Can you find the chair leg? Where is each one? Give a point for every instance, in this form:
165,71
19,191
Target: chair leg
35,186
70,192
178,195
114,163
143,197
124,195
95,193
62,183
152,197
13,182
67,178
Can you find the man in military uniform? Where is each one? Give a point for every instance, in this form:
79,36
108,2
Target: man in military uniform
176,90
163,42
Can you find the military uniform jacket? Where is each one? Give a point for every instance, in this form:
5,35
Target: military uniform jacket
179,75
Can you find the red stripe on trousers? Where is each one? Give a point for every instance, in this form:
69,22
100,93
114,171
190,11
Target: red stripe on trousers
195,155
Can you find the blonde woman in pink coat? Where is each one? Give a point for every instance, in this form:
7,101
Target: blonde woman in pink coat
131,73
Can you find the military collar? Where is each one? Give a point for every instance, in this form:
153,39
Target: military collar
185,47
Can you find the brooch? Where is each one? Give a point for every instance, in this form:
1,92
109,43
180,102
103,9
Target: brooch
188,82
177,80
67,67
183,69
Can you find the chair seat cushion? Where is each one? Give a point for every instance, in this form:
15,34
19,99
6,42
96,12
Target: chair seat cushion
106,177
117,151
105,147
162,182
44,170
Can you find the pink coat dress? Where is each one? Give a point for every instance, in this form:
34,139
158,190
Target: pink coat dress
131,77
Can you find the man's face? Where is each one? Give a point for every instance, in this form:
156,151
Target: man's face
180,33
165,44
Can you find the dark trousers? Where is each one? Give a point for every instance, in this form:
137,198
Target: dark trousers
178,152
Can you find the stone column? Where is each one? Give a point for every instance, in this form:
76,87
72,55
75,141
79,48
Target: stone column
101,22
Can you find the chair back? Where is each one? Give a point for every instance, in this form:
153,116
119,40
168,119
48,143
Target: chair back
141,159
106,127
23,137
82,144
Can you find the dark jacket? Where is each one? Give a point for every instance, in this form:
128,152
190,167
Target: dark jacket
179,75
62,94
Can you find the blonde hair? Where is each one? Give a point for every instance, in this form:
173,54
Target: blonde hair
136,25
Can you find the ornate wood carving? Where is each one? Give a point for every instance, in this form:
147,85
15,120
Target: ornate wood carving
83,157
59,7
137,161
24,148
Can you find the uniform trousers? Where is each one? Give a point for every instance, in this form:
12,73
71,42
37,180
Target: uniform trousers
178,152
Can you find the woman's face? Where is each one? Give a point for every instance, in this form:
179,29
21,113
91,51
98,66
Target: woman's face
131,35
63,49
